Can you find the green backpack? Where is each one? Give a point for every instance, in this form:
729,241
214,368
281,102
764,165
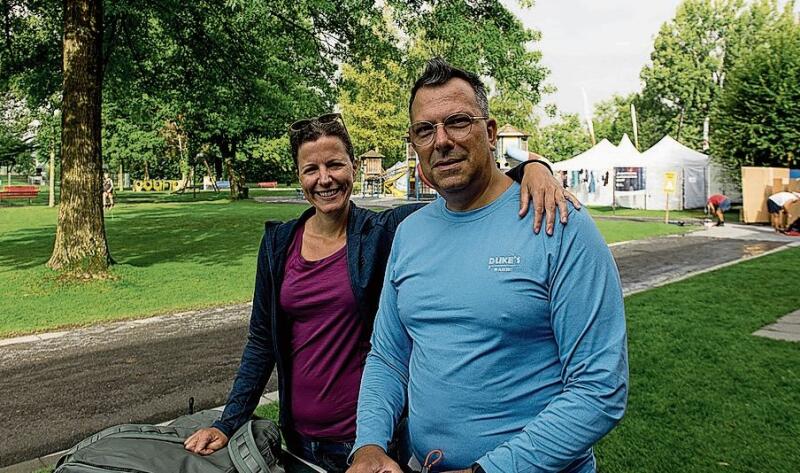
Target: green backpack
137,448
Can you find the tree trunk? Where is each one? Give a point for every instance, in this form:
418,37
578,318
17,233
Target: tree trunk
120,177
217,169
81,246
228,150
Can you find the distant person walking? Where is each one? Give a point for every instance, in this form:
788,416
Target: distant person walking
717,205
776,206
108,192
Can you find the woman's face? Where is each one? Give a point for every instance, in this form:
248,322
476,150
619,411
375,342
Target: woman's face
326,173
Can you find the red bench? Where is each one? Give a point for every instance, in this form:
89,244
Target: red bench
268,184
19,192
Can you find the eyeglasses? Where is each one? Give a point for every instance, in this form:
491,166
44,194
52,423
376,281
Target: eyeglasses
457,126
301,125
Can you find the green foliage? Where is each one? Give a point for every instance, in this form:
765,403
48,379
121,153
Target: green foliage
510,108
562,139
687,71
18,143
269,159
612,118
758,116
374,106
30,54
235,73
483,37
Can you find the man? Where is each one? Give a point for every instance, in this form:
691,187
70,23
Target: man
717,205
108,191
508,349
777,205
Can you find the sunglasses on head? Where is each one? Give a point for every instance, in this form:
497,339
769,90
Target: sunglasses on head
301,125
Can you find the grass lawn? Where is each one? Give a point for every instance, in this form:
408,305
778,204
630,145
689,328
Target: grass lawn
172,253
706,395
171,256
730,216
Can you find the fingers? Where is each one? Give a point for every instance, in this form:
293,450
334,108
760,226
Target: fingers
205,441
571,197
550,208
538,206
196,442
372,459
524,198
563,209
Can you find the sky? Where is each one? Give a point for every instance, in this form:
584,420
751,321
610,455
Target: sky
596,45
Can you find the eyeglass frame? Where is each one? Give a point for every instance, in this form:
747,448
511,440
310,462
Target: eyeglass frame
303,123
432,138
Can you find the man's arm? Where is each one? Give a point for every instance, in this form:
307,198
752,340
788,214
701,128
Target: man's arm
588,321
383,385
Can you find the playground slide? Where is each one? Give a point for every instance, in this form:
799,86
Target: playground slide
396,185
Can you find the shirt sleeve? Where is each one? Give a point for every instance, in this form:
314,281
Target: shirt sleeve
588,320
258,358
382,397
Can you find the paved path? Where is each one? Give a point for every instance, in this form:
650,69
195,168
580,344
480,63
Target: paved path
787,328
57,389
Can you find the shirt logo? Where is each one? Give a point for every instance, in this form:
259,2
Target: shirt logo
504,264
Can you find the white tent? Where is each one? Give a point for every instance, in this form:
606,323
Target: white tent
591,158
593,167
590,175
691,168
629,157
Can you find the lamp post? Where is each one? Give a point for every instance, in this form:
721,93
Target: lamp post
51,174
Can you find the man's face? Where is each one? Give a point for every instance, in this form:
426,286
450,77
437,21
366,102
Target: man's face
454,165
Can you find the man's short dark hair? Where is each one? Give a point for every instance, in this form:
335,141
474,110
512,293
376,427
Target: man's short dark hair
438,72
316,130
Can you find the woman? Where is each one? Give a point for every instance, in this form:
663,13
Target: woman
316,296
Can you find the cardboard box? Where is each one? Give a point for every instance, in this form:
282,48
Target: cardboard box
757,186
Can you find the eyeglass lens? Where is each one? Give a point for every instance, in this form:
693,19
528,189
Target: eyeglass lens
456,126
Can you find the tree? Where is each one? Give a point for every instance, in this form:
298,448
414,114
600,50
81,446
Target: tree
80,244
612,117
484,37
374,104
687,71
758,116
269,159
563,139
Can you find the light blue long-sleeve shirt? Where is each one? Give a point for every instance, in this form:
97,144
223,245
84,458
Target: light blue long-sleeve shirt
509,347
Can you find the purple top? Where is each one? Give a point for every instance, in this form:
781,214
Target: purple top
328,344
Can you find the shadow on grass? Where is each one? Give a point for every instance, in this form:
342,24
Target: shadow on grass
206,233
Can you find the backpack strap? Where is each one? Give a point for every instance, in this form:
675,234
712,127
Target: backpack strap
128,431
244,452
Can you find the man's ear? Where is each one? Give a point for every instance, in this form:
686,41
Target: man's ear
491,130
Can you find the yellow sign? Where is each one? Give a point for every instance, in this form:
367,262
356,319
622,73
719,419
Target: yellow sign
670,181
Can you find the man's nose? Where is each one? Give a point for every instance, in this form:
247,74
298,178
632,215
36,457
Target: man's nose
441,140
